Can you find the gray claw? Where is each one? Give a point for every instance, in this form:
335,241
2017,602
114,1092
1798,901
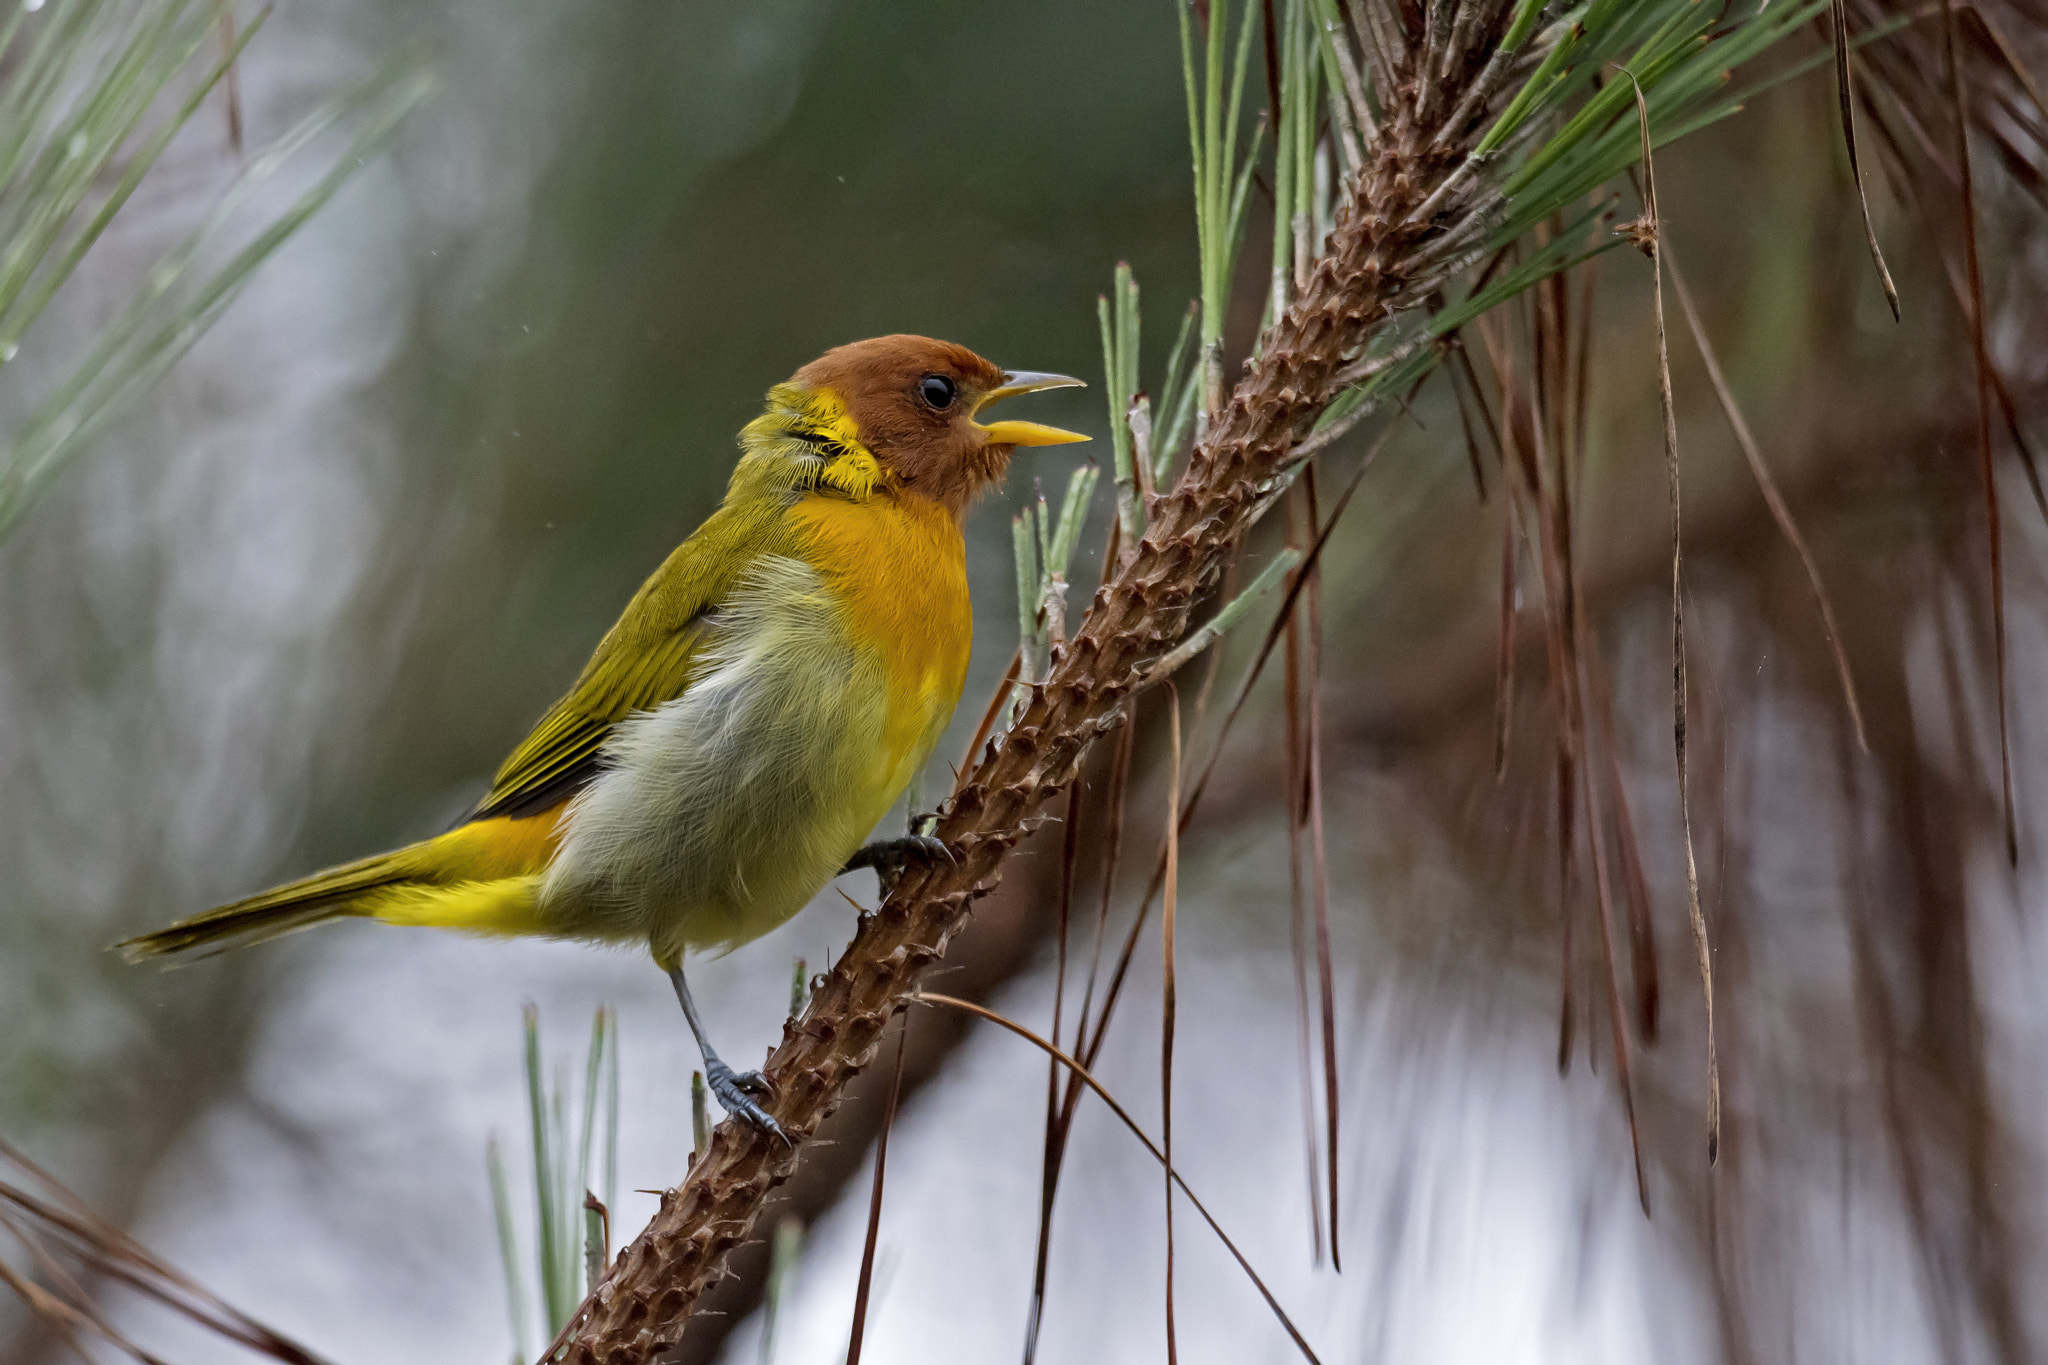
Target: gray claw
732,1088
889,857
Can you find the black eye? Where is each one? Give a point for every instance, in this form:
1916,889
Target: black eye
936,390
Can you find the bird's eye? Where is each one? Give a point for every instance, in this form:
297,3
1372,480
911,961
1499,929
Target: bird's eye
937,390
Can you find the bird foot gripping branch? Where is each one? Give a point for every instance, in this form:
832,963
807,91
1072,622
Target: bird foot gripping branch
890,858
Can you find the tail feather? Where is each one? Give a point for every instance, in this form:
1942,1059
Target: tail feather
482,877
333,894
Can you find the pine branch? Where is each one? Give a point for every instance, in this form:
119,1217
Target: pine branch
1419,206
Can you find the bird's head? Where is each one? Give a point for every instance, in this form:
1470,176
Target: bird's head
902,413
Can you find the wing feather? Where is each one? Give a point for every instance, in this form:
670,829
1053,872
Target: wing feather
646,659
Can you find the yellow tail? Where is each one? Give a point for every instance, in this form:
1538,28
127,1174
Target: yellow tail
481,877
323,896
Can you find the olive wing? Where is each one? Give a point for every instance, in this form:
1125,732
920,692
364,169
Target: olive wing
646,659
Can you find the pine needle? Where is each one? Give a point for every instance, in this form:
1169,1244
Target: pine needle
1642,942
1297,896
1168,914
867,1252
1087,1078
1320,881
1981,351
1840,27
178,300
1603,909
48,1218
1504,644
1767,484
1092,1041
1652,229
1055,1128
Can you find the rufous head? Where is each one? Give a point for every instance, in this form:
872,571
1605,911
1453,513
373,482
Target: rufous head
912,402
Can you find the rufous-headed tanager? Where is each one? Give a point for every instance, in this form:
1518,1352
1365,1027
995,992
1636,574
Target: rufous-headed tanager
766,697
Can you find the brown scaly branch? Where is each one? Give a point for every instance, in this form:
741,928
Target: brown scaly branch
1414,208
1365,277
1417,209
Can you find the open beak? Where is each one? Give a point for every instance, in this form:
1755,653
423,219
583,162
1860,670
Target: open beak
1027,433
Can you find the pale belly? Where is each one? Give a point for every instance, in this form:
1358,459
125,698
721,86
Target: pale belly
723,812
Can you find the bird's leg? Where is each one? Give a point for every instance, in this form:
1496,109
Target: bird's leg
889,857
731,1087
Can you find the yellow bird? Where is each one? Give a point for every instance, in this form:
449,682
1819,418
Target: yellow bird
766,697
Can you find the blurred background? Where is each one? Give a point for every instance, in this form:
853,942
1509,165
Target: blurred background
308,594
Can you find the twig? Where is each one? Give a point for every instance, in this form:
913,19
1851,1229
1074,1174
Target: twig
1086,1078
867,1250
1840,23
1169,998
1981,353
1767,484
1653,228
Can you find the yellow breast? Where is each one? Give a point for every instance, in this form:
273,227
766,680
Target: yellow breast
899,568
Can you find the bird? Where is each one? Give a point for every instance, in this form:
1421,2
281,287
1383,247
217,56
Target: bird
761,704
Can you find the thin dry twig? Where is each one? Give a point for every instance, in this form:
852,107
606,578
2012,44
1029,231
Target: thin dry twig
1635,885
1168,916
1091,1042
1296,780
1504,651
1651,230
59,1221
1055,1145
1603,908
1981,354
1840,25
1320,881
1767,484
1087,1078
867,1251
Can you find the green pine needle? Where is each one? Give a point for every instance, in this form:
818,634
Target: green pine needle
96,92
571,1248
